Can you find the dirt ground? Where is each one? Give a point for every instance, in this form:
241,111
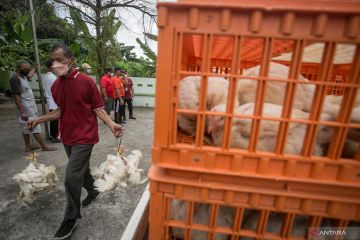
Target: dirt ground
106,219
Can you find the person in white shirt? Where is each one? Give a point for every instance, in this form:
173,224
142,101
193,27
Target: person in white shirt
49,79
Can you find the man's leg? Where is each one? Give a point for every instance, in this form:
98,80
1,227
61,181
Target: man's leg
130,107
89,182
122,113
42,143
89,186
78,165
27,142
123,110
79,156
108,106
117,110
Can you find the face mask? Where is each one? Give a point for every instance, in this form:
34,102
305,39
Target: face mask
24,72
88,70
60,69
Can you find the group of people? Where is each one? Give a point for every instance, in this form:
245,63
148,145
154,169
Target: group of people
117,91
77,103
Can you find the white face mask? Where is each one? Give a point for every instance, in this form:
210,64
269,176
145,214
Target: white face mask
88,70
60,69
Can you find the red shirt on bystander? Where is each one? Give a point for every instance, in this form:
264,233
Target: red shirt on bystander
106,82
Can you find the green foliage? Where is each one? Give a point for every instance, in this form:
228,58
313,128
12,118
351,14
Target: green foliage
16,32
53,27
147,50
151,36
140,68
99,51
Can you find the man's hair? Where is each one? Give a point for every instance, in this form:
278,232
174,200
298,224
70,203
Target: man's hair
108,69
67,51
49,63
21,62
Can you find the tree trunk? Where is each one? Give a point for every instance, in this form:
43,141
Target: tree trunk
99,43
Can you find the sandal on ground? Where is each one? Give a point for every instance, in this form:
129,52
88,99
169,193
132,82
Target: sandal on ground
49,149
32,148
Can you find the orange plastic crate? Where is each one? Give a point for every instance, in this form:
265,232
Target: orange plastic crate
207,39
207,206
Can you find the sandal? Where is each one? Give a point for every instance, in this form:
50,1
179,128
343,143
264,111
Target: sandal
49,149
32,148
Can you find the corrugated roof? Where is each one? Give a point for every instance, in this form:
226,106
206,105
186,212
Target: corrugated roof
344,54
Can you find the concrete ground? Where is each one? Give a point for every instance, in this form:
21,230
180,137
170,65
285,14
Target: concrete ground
106,219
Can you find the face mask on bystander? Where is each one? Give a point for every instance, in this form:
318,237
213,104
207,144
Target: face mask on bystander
24,72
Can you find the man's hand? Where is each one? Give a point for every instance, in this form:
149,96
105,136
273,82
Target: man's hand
121,101
116,129
32,124
24,116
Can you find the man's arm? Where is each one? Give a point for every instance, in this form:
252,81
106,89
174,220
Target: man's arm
48,117
31,73
103,90
115,128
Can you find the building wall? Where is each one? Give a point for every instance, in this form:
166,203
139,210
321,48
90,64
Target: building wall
144,89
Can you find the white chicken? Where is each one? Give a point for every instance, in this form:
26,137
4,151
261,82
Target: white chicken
275,223
189,93
118,169
241,129
276,90
333,106
225,218
35,178
201,215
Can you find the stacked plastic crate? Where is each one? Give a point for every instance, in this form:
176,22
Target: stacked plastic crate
202,188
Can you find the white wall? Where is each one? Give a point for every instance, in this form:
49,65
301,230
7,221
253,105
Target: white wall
144,89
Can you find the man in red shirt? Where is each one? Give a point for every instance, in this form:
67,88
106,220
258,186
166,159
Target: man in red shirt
129,93
118,94
79,104
107,90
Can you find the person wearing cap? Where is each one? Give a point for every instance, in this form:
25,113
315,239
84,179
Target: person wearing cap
107,89
118,94
85,68
129,94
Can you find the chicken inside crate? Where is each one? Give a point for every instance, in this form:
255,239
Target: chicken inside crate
250,94
205,206
202,221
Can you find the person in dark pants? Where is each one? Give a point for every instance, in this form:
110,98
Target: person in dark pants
107,90
79,104
129,94
118,95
